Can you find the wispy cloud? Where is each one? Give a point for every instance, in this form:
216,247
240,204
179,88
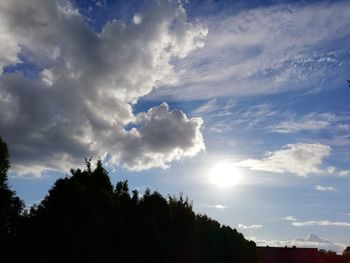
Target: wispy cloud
324,188
289,218
249,226
254,117
267,50
344,173
300,159
207,107
321,223
309,122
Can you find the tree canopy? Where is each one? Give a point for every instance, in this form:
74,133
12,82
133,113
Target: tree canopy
84,218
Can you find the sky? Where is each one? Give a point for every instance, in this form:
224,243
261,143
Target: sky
240,105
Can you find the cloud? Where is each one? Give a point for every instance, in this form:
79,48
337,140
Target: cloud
79,100
218,206
312,241
255,117
324,188
310,122
321,223
268,50
249,226
289,218
207,107
163,136
344,173
300,159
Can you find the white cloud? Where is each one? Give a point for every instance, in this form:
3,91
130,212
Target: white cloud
301,159
218,206
311,122
290,218
289,127
344,173
331,169
268,50
321,223
312,241
249,226
324,188
137,19
81,103
207,107
254,117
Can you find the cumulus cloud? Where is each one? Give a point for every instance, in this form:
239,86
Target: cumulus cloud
249,226
268,50
311,240
80,102
300,159
163,136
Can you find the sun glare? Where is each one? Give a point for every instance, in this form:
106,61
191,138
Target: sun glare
224,175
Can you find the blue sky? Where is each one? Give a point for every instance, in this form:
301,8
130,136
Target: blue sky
240,105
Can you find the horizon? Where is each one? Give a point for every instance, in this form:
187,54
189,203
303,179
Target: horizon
240,105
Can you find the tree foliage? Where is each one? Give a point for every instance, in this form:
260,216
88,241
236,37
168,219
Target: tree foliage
10,205
84,218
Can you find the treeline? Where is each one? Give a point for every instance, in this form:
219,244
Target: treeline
84,218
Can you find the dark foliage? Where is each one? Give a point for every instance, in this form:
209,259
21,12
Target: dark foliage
328,256
10,206
84,219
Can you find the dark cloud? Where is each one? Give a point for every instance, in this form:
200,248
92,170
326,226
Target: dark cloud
81,100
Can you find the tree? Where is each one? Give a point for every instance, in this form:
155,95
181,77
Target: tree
84,218
11,206
4,163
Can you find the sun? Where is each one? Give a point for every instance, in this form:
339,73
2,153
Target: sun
224,175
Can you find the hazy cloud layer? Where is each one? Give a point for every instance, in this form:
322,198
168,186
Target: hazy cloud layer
268,50
300,159
79,98
311,241
321,223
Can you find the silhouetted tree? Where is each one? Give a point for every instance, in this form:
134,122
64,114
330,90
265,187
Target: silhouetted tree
4,163
84,218
10,205
329,256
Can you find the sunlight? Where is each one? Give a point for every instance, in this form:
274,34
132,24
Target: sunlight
224,175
